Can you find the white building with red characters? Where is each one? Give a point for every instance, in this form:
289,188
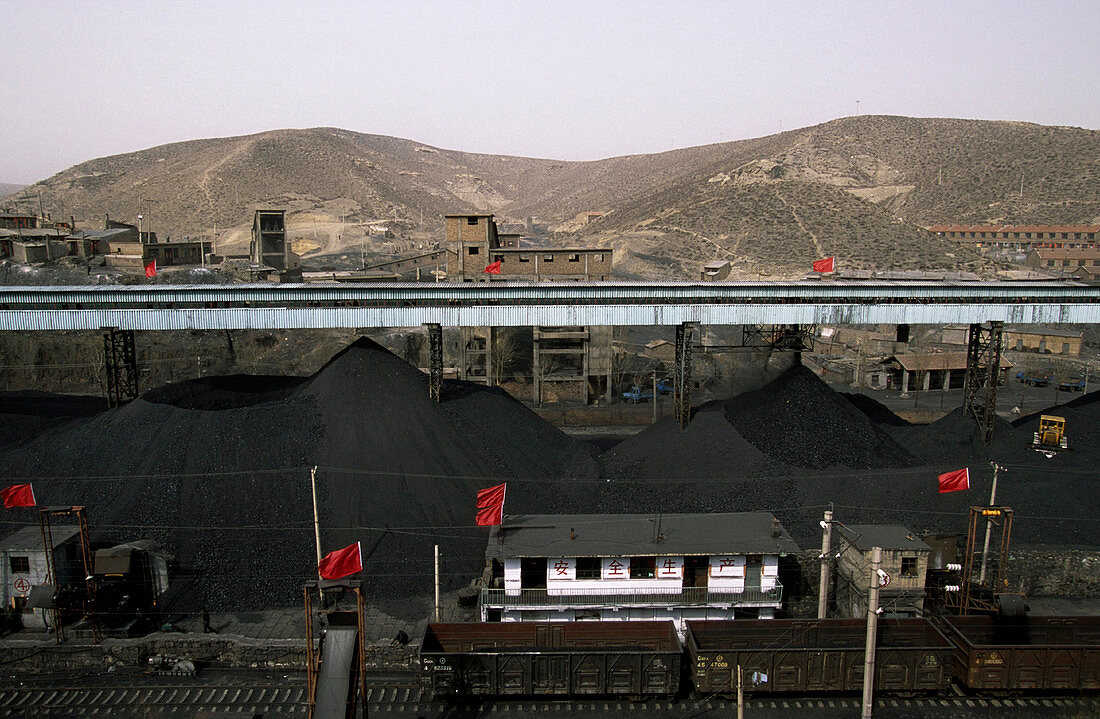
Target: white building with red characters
620,567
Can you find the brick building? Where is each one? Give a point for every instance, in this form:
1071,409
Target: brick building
1020,237
904,559
1064,259
473,243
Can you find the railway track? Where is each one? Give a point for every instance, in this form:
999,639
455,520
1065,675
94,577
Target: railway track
405,699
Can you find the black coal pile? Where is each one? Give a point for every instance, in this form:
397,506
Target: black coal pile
798,419
25,415
750,453
222,477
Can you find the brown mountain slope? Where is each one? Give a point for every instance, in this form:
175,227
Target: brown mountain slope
774,228
848,181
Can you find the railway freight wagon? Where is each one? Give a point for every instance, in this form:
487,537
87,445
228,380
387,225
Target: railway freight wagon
1026,653
811,656
631,659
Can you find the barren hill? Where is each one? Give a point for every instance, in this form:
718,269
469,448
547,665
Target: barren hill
856,187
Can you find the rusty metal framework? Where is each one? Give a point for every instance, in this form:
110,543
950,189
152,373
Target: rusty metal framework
972,595
120,366
87,604
783,338
983,374
681,382
328,595
435,361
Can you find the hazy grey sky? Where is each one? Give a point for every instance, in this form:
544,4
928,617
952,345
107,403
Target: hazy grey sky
577,81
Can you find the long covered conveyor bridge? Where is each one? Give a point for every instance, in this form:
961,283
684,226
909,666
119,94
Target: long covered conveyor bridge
252,306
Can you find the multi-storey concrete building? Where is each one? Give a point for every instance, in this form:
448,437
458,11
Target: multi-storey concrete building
473,244
904,559
607,567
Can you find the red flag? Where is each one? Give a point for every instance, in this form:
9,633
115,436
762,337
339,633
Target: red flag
493,269
17,495
342,562
490,505
825,265
151,269
955,481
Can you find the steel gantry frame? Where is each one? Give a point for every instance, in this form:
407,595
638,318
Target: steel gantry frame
983,374
120,366
87,609
435,362
681,383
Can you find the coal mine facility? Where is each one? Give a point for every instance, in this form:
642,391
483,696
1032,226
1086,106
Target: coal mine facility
198,499
218,470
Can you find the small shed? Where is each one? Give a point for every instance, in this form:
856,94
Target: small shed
904,559
23,566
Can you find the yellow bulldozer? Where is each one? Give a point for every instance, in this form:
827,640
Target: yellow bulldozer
1051,436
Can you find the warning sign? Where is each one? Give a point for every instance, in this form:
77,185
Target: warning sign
22,585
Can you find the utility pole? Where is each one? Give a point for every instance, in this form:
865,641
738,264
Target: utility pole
826,550
989,524
316,523
872,628
654,396
437,582
740,696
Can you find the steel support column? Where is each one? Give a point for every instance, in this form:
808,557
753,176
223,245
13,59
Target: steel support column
983,374
120,366
435,362
681,383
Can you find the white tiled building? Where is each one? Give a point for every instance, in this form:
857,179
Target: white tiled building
634,567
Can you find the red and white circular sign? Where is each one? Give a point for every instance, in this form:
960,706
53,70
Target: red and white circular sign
21,585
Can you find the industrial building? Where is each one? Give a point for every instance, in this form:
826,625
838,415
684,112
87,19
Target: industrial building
269,246
608,567
932,370
904,559
473,243
23,567
1020,237
568,363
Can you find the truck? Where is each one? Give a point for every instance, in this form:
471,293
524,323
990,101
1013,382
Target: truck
1034,378
636,394
1051,435
1072,384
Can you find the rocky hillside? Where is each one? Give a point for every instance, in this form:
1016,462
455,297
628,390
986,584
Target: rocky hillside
857,187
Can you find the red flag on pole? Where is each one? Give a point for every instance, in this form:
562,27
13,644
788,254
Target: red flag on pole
490,505
955,481
342,562
825,265
493,268
17,495
151,269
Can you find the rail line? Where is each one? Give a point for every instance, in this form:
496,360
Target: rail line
405,698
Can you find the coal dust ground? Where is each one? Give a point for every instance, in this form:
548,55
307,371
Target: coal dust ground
218,471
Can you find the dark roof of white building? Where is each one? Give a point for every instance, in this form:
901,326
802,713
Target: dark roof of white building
866,537
638,535
30,538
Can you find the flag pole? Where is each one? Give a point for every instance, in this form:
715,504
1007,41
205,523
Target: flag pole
316,523
989,523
